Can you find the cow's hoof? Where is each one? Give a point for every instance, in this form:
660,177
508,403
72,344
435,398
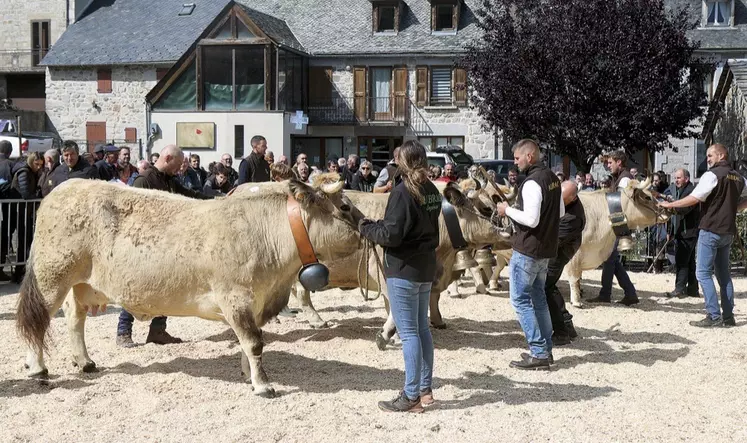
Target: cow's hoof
381,342
89,367
495,286
439,325
577,304
319,325
265,392
481,289
41,375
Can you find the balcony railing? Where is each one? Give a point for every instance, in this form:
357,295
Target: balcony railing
360,110
22,60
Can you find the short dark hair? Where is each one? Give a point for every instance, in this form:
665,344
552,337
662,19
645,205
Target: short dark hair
194,157
513,169
220,168
256,140
69,145
6,148
618,156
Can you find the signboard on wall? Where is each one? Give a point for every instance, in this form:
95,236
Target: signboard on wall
190,135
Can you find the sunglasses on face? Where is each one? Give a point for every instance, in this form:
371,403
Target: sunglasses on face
365,168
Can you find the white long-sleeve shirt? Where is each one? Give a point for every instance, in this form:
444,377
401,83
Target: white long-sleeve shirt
707,184
531,196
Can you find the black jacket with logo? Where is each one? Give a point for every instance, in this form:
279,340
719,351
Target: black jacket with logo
719,211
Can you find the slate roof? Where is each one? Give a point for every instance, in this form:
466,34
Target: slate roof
275,28
117,32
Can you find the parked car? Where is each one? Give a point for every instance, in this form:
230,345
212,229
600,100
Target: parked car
500,167
451,154
28,142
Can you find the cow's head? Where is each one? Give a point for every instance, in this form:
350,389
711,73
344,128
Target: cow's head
497,193
330,217
474,209
639,205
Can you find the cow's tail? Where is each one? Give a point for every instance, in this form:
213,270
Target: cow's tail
32,317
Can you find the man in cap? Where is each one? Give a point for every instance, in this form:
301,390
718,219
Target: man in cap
107,167
98,153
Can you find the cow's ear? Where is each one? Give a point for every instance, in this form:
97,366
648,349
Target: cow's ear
302,192
454,196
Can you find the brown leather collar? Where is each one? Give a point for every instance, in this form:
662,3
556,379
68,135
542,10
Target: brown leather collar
300,235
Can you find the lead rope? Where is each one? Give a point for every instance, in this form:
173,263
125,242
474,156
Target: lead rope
367,248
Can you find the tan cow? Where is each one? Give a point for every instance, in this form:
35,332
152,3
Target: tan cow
240,273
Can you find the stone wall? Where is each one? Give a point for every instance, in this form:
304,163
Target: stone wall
73,99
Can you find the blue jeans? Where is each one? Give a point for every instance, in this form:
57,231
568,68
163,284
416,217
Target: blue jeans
614,267
408,301
124,326
527,291
713,249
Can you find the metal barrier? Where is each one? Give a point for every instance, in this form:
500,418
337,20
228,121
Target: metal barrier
16,230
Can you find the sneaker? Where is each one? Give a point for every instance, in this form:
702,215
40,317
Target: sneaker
707,322
728,322
675,294
599,299
426,397
571,330
629,301
401,404
125,341
529,362
161,338
561,340
526,355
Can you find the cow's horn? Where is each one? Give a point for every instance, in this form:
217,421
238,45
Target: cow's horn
511,194
505,182
472,193
332,188
645,184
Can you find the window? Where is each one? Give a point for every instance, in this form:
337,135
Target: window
233,77
291,73
39,40
445,15
187,9
320,86
182,94
386,16
443,141
718,12
440,86
104,81
238,141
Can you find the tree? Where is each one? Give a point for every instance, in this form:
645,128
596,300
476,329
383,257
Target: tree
587,76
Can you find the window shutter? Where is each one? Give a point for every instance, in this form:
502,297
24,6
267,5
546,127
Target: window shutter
398,14
460,87
455,16
375,18
105,81
400,93
130,135
359,92
421,93
434,16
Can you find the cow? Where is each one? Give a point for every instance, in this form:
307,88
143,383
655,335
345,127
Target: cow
105,243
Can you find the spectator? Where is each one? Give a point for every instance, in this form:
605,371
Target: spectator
125,171
25,181
683,227
159,177
389,176
253,168
106,167
6,192
580,180
269,157
350,170
89,158
341,162
448,175
434,172
99,153
142,166
218,184
588,183
281,172
51,162
74,166
332,166
154,158
634,173
303,172
513,177
189,178
194,163
233,176
363,180
284,160
300,158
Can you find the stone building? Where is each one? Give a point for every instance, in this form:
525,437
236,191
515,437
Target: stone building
28,28
327,78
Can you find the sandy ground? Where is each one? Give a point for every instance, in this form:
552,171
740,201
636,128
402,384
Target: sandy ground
638,374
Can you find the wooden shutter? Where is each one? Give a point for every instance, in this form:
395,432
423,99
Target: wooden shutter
460,87
105,81
375,18
359,88
434,16
455,16
95,134
130,135
421,93
400,93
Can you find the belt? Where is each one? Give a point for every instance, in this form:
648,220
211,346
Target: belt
617,216
452,225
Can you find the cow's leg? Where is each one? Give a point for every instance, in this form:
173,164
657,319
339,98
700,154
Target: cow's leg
75,314
312,316
477,277
500,263
384,336
250,337
436,320
574,281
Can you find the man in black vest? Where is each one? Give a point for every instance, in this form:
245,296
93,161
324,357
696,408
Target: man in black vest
536,217
613,266
254,168
684,229
719,191
569,232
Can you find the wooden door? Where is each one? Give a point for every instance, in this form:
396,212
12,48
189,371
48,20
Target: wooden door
400,99
95,134
359,88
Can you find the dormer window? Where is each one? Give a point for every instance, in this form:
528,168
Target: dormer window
718,13
386,16
445,16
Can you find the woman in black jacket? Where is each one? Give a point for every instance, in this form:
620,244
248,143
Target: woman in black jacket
409,235
25,182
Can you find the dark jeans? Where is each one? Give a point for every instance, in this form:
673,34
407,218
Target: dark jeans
684,261
124,327
613,267
555,303
7,227
25,222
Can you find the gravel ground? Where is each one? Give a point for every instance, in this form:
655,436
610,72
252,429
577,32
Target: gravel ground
638,374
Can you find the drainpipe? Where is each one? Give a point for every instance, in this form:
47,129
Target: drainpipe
145,150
